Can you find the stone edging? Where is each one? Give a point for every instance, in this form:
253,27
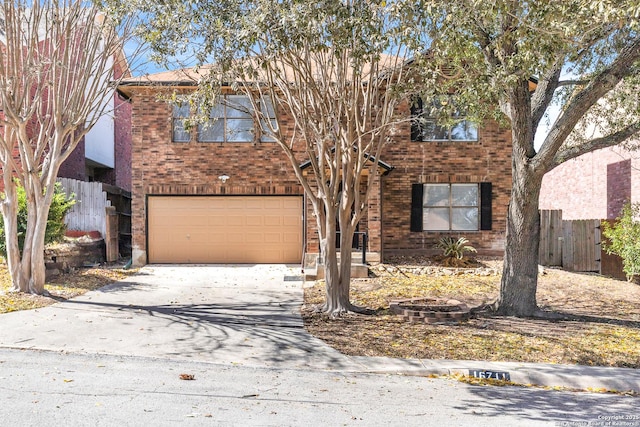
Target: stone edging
430,310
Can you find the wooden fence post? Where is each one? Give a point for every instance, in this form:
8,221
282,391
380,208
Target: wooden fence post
111,237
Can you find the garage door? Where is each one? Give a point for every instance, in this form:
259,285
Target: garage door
227,229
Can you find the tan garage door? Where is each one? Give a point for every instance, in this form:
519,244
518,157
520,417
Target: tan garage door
225,229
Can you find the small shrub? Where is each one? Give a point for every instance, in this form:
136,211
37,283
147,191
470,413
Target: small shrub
56,227
454,248
623,239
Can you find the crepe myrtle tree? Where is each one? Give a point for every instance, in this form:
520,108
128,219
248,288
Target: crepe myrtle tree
332,67
516,54
58,65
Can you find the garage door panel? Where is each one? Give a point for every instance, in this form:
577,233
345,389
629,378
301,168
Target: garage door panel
271,220
236,220
254,220
254,238
225,229
273,237
292,220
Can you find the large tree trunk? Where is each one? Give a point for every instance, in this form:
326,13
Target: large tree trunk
520,273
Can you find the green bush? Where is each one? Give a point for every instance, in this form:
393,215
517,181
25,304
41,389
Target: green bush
454,248
623,239
56,227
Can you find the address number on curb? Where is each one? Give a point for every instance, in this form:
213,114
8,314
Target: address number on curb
494,375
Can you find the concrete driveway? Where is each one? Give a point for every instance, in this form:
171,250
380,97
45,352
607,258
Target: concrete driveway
225,314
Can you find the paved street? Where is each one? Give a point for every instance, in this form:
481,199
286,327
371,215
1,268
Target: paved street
47,388
114,357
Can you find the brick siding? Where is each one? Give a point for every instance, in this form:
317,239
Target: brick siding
594,185
487,160
161,166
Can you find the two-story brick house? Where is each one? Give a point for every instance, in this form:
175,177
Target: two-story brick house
225,194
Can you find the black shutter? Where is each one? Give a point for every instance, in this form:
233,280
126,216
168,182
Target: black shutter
485,206
416,207
416,111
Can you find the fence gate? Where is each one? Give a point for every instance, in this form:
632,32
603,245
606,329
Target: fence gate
550,252
581,248
574,245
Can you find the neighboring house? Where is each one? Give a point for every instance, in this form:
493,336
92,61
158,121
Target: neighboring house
105,153
225,194
593,186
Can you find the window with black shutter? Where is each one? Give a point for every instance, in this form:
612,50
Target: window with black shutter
451,207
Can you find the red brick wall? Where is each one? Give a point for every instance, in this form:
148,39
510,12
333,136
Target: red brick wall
165,167
618,187
487,160
161,166
594,185
120,174
122,142
74,166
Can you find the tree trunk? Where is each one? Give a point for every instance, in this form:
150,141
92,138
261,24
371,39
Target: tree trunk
9,214
27,267
337,270
520,273
39,229
337,290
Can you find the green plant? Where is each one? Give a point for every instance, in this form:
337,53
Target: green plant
56,227
452,248
623,239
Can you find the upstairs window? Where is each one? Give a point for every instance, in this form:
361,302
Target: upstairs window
180,133
425,127
232,119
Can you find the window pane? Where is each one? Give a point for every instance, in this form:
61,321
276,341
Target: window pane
180,111
267,108
239,130
180,134
464,218
238,107
430,131
464,131
464,194
217,111
266,130
436,195
435,219
212,131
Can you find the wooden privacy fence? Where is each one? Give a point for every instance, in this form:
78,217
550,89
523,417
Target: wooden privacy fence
88,213
574,245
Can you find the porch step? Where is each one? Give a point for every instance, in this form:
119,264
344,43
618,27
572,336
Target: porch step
313,270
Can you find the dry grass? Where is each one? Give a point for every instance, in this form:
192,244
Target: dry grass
60,288
602,325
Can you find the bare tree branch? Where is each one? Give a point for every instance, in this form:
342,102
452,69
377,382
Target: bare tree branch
578,106
543,95
616,138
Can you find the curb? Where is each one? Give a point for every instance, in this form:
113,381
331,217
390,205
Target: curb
589,378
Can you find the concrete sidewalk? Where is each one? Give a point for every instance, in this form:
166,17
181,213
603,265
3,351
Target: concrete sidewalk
245,315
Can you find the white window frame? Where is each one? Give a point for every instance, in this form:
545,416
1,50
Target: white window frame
450,206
